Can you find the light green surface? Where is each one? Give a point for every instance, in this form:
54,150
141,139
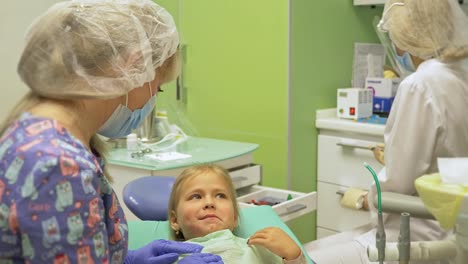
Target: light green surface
202,150
323,37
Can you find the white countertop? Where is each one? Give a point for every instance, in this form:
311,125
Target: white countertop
327,119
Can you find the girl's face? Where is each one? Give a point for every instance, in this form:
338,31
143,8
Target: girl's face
205,206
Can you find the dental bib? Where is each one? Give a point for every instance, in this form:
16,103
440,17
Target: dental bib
234,250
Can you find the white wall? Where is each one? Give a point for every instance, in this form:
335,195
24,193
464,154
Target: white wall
15,17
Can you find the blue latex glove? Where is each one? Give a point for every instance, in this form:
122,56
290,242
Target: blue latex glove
161,252
201,258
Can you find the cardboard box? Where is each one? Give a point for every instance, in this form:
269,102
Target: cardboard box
383,87
384,91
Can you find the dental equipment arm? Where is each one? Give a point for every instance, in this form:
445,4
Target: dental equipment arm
454,250
405,250
397,203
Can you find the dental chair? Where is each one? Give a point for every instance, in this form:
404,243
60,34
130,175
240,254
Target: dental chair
148,197
447,203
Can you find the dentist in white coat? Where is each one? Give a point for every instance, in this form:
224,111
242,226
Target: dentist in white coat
428,119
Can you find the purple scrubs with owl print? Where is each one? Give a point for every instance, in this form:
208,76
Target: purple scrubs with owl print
56,206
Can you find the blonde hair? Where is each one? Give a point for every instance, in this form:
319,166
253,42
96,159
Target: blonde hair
190,173
429,28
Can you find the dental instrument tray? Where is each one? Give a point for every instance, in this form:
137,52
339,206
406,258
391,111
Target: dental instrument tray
287,204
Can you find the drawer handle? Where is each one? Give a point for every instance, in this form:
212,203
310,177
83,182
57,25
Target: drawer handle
353,145
340,192
293,208
239,178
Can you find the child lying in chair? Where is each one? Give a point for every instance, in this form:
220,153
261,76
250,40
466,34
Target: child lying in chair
203,209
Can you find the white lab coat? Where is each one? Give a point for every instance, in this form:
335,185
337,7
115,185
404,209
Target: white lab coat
429,119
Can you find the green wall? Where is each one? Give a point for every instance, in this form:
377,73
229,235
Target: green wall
236,74
236,77
322,37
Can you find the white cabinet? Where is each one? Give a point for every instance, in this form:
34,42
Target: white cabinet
246,176
340,160
341,154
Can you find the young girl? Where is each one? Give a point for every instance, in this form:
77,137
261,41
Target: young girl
203,209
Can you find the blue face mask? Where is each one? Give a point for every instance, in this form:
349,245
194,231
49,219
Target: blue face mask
405,61
123,120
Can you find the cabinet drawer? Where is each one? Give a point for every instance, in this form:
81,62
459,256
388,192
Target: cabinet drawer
331,215
300,204
246,176
341,163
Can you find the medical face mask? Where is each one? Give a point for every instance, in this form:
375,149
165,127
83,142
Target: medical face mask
123,120
405,61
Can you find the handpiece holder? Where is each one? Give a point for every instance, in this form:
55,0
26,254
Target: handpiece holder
452,249
419,250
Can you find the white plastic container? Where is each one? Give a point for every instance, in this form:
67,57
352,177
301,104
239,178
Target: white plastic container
132,142
354,103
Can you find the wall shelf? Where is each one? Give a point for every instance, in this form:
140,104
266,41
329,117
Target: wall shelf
369,2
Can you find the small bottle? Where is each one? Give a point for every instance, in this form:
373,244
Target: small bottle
132,142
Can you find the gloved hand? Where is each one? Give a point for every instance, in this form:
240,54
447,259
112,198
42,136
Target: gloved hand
379,153
161,252
201,258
